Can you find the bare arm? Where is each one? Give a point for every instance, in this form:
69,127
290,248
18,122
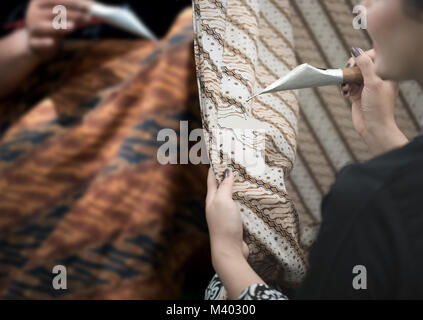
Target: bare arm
234,272
385,139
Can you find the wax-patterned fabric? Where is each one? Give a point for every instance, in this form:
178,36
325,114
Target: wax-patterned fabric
323,35
80,185
242,46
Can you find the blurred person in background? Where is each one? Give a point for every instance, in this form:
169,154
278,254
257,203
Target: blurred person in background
80,184
24,48
28,37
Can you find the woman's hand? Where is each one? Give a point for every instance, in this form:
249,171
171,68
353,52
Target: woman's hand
224,219
42,37
373,105
229,251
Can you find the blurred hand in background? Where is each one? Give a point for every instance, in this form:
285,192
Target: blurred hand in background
43,37
24,49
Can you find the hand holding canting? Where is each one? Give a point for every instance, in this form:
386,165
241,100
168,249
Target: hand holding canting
373,105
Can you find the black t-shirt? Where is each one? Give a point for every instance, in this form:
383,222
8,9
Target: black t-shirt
157,16
372,218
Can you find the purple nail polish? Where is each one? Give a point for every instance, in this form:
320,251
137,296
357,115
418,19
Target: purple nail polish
227,173
348,65
355,51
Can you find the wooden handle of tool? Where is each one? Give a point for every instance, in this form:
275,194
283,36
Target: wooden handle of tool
352,75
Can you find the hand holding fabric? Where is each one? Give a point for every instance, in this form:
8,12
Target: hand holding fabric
224,219
229,251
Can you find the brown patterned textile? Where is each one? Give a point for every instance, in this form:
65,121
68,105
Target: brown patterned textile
80,185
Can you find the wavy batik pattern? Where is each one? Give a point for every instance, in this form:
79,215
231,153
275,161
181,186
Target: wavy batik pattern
240,47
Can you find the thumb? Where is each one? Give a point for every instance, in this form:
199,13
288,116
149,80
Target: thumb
225,188
366,65
245,250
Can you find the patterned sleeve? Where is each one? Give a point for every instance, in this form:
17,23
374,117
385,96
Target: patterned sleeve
216,291
261,292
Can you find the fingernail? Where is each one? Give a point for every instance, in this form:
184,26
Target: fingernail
343,85
227,173
344,92
355,51
348,65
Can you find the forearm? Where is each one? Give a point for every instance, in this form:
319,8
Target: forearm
384,139
16,61
234,272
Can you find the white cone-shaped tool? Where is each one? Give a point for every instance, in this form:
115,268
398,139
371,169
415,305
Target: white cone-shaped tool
122,18
307,76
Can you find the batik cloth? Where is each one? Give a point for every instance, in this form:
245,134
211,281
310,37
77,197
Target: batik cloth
241,46
80,184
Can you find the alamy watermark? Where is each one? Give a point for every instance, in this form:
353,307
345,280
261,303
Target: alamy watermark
360,20
60,21
60,282
246,146
360,279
